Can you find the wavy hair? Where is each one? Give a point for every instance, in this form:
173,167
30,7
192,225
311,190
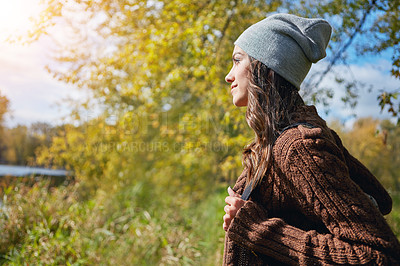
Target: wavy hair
271,102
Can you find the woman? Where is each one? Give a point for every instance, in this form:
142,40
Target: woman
309,201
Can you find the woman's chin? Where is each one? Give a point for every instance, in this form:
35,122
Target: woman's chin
239,103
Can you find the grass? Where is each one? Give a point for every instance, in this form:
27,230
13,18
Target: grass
131,227
137,225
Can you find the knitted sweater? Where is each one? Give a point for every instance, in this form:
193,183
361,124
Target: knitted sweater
311,208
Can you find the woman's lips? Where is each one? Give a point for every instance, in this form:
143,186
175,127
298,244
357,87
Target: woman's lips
232,89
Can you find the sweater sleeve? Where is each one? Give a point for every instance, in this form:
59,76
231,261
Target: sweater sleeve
322,188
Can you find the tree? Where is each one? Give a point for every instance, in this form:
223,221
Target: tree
157,67
391,159
4,108
21,142
363,27
365,144
17,148
376,144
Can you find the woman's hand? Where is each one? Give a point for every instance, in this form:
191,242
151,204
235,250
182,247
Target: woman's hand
233,204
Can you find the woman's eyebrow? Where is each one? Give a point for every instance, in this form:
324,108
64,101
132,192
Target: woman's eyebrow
236,53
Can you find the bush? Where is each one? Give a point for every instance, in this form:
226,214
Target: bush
134,226
139,224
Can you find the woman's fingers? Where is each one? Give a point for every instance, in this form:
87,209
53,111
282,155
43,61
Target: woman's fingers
232,193
227,218
231,200
226,208
225,226
234,201
227,221
231,211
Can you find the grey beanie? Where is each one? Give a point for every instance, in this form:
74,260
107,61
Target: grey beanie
287,44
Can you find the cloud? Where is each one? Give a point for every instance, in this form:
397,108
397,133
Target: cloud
33,93
376,76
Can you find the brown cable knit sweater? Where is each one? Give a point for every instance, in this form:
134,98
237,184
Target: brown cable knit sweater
311,208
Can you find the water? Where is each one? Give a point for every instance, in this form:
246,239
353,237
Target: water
19,171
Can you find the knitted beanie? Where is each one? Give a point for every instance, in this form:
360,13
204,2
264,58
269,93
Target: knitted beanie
287,44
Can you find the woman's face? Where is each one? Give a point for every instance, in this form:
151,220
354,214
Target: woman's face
239,76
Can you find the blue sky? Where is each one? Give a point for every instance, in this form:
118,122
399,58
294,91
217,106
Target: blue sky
374,72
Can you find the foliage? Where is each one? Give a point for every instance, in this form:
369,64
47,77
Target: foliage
394,217
155,68
4,108
391,155
362,27
21,142
135,226
388,99
151,165
170,41
145,222
157,79
376,144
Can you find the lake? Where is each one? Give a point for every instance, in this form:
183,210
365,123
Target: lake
19,171
11,171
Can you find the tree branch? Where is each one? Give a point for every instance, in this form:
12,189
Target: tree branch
338,55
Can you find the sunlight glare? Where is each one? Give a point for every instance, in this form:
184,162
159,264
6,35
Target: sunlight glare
15,14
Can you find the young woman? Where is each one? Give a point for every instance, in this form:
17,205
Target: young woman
302,199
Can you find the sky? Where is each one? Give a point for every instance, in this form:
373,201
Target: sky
373,71
35,96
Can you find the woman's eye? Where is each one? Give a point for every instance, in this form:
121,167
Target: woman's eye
235,61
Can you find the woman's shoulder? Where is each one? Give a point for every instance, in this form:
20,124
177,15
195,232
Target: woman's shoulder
306,126
297,132
307,135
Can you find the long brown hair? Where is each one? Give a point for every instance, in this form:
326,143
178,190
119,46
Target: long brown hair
271,102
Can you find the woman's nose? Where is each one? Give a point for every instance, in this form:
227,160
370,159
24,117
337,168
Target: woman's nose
230,77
